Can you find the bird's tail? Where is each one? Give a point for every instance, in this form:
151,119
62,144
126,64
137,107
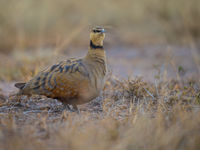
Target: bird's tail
20,85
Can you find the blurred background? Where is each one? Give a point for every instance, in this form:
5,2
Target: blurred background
148,37
157,40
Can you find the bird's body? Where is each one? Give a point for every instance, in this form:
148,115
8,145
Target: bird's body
72,81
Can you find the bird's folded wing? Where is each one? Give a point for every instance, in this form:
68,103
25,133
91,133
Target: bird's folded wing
56,80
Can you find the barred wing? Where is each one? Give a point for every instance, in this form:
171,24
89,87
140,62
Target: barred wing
62,80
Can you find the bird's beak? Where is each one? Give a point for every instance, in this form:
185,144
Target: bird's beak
103,31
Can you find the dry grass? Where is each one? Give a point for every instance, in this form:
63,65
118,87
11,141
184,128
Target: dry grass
50,23
130,114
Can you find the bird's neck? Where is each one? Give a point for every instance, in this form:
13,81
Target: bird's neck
96,51
96,45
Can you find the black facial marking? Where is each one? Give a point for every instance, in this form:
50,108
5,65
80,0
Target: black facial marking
96,31
92,46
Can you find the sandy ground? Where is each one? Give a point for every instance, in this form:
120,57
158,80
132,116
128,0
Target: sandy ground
149,61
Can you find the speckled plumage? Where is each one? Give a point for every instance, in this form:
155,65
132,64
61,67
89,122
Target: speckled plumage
72,81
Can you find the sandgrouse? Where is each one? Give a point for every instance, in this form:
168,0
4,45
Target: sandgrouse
72,81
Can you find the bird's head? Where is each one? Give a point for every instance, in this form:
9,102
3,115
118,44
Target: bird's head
97,36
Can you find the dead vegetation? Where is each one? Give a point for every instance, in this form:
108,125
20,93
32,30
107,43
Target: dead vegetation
32,24
130,114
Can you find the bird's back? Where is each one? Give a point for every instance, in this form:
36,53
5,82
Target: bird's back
53,79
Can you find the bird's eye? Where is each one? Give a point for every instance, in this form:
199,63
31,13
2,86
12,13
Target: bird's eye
96,31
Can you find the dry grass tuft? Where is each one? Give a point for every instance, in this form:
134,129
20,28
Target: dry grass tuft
128,115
